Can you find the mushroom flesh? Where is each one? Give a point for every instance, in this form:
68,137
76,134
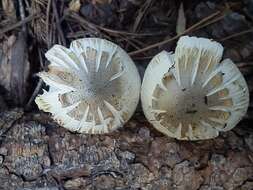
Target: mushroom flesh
191,95
94,86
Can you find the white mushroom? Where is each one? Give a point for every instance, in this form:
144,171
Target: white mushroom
94,86
191,95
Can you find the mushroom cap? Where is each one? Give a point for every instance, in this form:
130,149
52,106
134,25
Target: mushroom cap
191,95
94,86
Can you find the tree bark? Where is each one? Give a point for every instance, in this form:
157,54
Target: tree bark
35,153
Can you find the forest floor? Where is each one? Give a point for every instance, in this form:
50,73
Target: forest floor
35,153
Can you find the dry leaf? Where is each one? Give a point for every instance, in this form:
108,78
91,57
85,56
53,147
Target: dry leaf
75,5
9,9
181,20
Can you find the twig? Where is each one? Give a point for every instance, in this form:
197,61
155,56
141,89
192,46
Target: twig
142,12
18,24
38,87
143,58
130,42
58,24
47,24
77,34
131,33
177,36
35,93
108,30
139,42
236,34
53,30
210,22
22,15
83,21
242,65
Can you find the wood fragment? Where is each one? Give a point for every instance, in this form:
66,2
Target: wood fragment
18,24
39,84
19,70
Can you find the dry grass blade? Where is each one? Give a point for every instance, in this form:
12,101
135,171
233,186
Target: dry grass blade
242,65
38,25
131,42
47,24
237,34
177,36
142,12
58,24
218,18
113,32
22,15
101,1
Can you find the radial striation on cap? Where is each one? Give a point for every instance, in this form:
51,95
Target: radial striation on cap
93,86
191,95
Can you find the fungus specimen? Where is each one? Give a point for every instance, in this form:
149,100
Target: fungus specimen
191,95
93,86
